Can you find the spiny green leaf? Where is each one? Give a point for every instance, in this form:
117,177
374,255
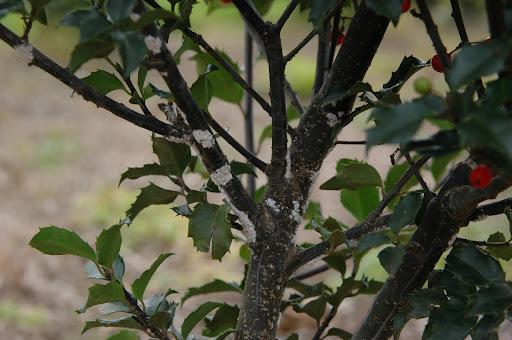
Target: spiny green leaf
100,294
398,124
405,211
127,322
91,23
59,241
315,308
118,10
225,318
124,335
479,60
209,224
216,286
146,170
140,284
409,66
196,316
360,202
391,258
372,240
173,156
352,175
388,8
108,245
131,48
150,195
89,50
103,81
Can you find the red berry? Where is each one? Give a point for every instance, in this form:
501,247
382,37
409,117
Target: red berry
437,64
480,176
340,39
406,5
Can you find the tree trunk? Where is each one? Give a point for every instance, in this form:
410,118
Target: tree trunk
264,288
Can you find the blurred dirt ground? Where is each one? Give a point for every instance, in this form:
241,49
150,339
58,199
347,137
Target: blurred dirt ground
60,162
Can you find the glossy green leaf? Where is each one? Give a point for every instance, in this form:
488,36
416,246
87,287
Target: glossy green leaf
92,272
100,294
398,124
391,258
502,251
126,322
372,240
173,156
59,241
439,165
118,268
209,225
388,8
150,195
146,170
494,299
115,307
315,308
91,23
118,10
340,333
103,81
131,48
225,318
87,51
405,211
360,202
475,61
474,265
408,67
108,245
202,91
196,316
448,322
215,286
140,284
336,261
352,175
124,335
318,10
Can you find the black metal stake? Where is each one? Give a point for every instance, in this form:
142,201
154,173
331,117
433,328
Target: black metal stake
248,107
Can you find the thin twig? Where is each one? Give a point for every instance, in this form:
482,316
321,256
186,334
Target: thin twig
198,39
350,142
89,93
418,176
325,323
433,33
461,28
390,195
311,273
300,46
335,32
294,98
248,107
258,163
286,14
131,87
321,56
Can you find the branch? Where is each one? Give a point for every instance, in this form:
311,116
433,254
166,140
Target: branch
321,56
248,106
89,93
459,22
417,174
496,18
443,218
300,46
294,98
361,229
433,32
251,16
312,272
286,14
350,142
258,163
198,39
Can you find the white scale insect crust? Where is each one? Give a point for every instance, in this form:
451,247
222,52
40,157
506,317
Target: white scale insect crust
248,227
204,137
153,44
179,140
288,173
332,120
222,175
25,51
296,215
135,17
272,204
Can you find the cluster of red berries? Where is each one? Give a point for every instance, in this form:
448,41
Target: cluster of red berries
480,176
406,5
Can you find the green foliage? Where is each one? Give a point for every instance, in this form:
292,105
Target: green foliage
405,211
59,241
104,82
388,8
196,316
216,286
352,175
140,284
